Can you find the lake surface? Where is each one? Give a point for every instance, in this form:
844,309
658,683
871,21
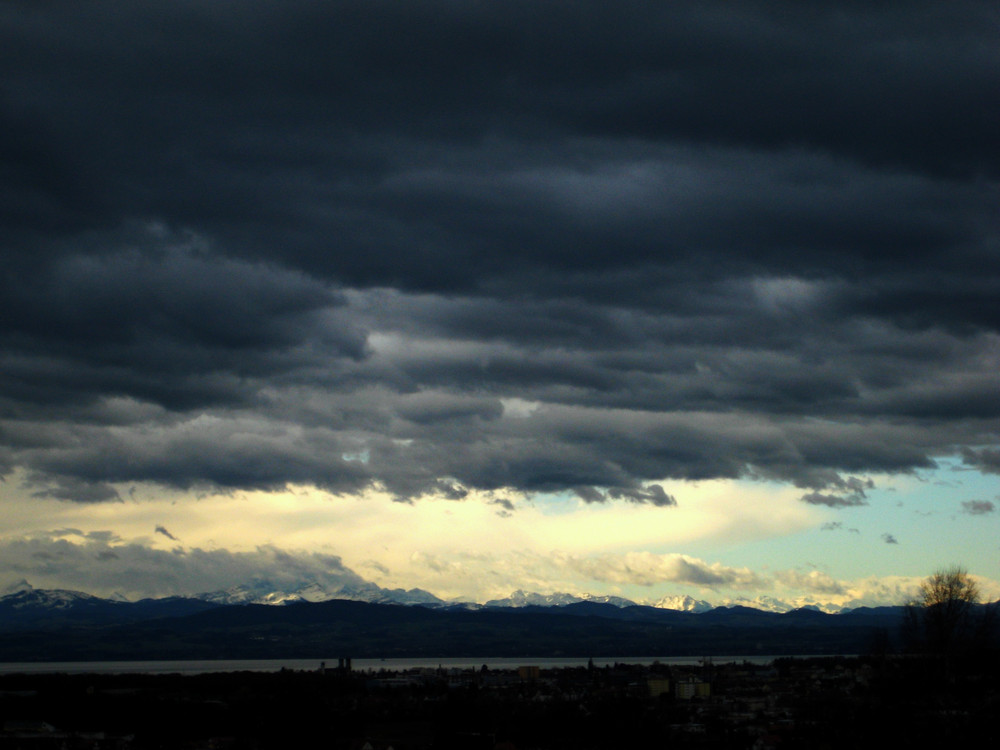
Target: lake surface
358,665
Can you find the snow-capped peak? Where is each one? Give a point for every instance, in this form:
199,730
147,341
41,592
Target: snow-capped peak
266,593
46,598
764,603
522,598
683,603
17,588
233,595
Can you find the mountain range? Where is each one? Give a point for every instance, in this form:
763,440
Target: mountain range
245,622
22,597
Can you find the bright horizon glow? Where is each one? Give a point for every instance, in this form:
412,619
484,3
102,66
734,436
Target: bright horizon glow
725,540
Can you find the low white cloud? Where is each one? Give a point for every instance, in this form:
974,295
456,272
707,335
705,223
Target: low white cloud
647,569
632,573
814,582
101,567
102,563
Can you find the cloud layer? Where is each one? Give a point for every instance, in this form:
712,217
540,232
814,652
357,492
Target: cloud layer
437,247
103,563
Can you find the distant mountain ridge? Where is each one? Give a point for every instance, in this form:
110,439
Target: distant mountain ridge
23,606
28,608
263,593
525,599
37,625
683,604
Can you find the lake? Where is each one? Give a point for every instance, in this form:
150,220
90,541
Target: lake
358,665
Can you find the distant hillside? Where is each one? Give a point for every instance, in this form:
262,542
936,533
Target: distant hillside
37,609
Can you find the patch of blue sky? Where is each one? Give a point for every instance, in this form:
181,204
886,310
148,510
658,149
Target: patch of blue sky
910,525
556,503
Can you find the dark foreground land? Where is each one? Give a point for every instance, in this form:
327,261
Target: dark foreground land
809,703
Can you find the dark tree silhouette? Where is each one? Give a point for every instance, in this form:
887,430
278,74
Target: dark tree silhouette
947,616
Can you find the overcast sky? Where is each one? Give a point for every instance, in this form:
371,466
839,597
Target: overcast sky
633,297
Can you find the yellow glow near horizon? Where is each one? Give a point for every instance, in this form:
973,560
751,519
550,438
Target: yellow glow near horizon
470,547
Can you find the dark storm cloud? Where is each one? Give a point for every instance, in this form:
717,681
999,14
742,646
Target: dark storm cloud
984,459
73,488
833,501
167,534
504,503
849,491
654,494
978,507
837,526
436,247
